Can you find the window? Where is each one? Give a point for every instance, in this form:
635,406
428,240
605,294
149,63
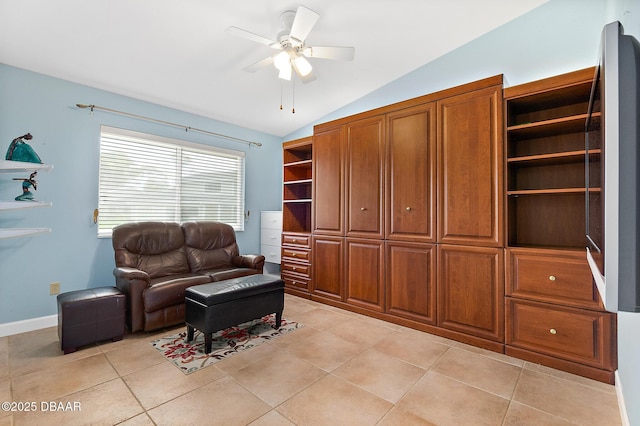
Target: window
150,178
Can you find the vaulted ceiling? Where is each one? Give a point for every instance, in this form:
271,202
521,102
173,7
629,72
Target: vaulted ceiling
178,54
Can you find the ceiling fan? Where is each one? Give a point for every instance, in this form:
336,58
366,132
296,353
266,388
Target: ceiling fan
293,52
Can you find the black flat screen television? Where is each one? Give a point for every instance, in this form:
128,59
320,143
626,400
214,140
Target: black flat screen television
613,165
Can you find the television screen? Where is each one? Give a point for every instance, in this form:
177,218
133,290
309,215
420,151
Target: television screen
613,171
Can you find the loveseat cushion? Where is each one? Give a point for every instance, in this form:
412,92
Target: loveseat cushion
209,245
154,247
164,293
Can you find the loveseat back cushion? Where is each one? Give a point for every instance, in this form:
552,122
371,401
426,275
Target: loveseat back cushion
154,247
210,245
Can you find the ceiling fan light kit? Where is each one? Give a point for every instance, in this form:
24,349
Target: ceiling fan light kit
291,43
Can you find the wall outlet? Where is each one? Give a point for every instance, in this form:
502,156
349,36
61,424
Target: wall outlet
54,288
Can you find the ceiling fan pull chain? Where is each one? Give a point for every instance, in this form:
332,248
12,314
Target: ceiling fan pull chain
280,95
293,101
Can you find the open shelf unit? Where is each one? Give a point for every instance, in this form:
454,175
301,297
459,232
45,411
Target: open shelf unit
546,162
14,167
297,185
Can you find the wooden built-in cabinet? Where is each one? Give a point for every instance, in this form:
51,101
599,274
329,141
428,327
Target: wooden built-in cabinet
425,214
411,174
471,291
470,176
376,180
295,266
553,312
411,281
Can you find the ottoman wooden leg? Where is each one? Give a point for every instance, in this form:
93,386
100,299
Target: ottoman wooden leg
207,343
278,319
190,331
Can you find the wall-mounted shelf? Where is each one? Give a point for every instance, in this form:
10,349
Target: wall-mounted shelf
6,233
7,166
15,167
18,205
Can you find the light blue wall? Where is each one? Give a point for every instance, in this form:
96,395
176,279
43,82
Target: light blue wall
557,37
68,138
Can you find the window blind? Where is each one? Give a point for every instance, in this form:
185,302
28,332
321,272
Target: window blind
150,178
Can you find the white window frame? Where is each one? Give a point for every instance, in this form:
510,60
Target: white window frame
110,184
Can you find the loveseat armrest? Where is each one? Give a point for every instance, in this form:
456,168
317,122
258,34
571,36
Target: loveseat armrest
253,261
130,274
132,283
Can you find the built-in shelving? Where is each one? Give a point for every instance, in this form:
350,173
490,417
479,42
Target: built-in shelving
297,186
546,162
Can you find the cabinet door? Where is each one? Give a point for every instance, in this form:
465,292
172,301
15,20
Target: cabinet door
471,290
470,176
328,181
365,174
365,273
328,258
411,278
411,174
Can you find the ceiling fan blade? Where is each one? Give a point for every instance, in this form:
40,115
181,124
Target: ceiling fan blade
303,23
333,52
239,32
259,65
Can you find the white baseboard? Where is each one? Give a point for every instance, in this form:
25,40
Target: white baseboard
624,417
18,327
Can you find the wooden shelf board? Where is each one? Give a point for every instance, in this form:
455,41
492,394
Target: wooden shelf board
572,124
298,182
550,191
553,158
301,163
301,200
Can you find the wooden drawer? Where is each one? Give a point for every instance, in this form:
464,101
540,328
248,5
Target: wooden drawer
292,253
297,268
554,276
576,335
296,240
271,220
293,280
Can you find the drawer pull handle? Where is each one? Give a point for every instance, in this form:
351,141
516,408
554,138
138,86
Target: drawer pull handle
363,208
408,209
553,331
552,277
294,268
293,255
293,240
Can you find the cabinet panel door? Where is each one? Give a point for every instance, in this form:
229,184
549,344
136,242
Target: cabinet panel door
411,281
328,261
365,174
328,181
411,174
365,273
471,290
470,180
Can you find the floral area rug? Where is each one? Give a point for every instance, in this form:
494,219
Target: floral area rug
190,357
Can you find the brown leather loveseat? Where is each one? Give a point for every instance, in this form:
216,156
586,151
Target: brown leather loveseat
157,261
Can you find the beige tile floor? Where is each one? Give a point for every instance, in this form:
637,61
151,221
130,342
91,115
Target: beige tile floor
339,369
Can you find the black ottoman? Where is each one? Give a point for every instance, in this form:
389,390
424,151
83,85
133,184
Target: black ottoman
89,316
216,306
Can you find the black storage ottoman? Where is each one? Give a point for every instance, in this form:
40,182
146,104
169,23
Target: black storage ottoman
89,316
215,306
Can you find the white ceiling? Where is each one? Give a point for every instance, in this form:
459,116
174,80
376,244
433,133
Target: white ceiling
177,53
